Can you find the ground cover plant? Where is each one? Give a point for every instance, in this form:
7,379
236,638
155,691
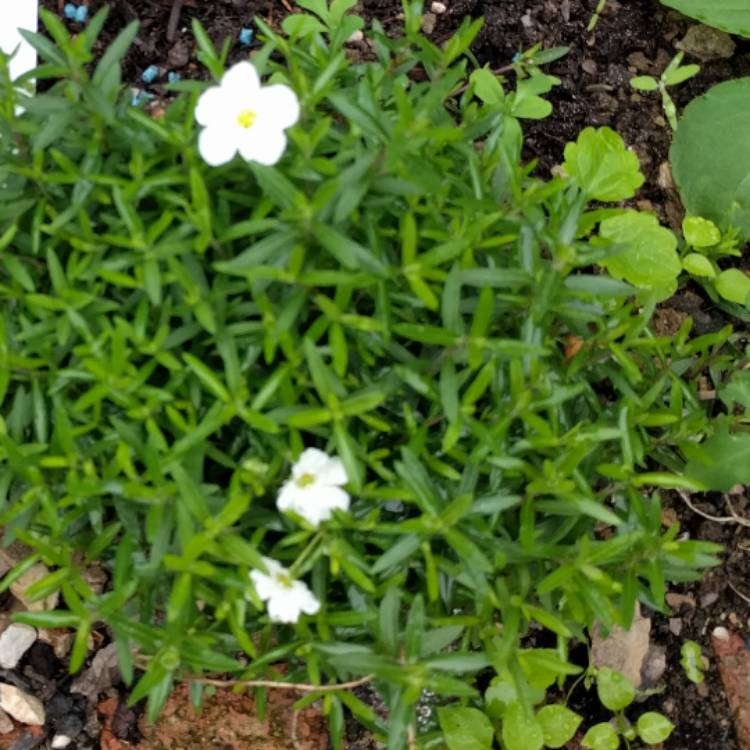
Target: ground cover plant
397,292
729,15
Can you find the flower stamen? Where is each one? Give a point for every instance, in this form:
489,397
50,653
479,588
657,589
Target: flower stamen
246,118
305,480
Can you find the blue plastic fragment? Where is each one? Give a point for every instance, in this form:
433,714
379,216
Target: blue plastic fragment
140,97
70,11
246,37
173,77
149,75
82,12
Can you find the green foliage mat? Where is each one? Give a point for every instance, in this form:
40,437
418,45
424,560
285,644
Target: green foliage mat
398,291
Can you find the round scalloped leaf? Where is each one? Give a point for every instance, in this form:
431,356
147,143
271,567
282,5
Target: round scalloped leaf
604,168
700,232
559,724
654,728
712,171
698,265
648,257
615,690
728,15
733,285
601,737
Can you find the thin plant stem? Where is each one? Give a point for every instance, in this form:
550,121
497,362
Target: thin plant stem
302,687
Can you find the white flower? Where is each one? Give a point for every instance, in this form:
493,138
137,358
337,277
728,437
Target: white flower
285,598
241,115
314,490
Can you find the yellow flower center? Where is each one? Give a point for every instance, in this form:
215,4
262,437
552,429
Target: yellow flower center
284,580
305,480
246,118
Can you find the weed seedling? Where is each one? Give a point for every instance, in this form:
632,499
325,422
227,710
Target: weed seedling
597,14
674,74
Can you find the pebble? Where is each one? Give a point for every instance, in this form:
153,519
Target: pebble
710,598
21,706
70,11
664,179
675,625
178,57
82,13
654,667
59,741
60,639
246,37
438,8
6,723
590,67
15,641
640,62
720,633
428,23
679,600
356,37
19,587
625,651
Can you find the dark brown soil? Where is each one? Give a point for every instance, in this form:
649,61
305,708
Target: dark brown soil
721,598
633,37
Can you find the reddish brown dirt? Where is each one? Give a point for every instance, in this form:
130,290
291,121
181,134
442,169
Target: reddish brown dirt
227,721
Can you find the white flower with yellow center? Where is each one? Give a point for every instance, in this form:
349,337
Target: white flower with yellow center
285,598
240,115
314,491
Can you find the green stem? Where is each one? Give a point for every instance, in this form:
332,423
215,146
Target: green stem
309,549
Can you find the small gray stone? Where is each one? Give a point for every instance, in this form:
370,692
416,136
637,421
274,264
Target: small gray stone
654,667
707,43
101,674
60,741
708,599
428,23
15,641
179,55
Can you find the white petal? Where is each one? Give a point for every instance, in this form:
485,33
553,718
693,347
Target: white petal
274,568
319,503
311,461
211,106
287,499
338,499
264,584
305,598
262,145
333,472
296,501
216,145
279,104
241,80
283,609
